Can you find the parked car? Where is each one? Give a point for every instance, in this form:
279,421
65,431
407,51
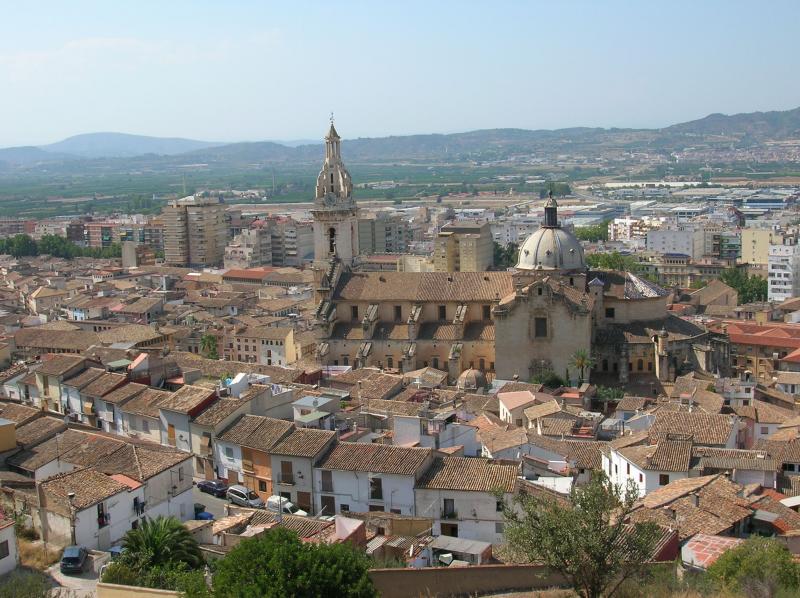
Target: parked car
283,505
73,559
216,488
244,497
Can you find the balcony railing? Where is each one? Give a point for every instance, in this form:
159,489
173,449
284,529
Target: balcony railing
450,515
286,479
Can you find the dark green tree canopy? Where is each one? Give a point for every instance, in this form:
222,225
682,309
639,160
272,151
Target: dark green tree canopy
278,565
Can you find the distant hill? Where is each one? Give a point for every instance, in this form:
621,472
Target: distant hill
122,145
774,125
117,149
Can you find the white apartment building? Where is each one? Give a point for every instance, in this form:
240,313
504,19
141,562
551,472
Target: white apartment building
783,267
685,241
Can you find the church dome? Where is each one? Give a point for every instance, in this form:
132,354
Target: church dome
471,379
551,247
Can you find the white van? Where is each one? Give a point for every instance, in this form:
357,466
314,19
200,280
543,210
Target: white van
284,505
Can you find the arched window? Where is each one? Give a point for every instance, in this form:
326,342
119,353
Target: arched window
332,239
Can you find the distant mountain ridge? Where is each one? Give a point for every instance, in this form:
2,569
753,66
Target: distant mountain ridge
744,129
121,145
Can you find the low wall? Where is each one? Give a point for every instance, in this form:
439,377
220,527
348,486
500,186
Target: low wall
110,590
463,581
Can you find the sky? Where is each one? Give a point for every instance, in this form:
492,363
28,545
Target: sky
239,70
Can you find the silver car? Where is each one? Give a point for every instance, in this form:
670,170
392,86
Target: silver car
240,495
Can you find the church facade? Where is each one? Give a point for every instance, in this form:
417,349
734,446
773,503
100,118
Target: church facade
509,324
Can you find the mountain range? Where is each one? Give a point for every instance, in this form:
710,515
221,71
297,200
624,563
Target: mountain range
741,130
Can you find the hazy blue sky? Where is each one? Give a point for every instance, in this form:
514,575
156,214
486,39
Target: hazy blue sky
274,70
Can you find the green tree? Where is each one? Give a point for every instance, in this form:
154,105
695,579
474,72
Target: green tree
613,261
549,378
208,345
160,542
505,256
586,538
598,232
278,565
757,567
749,286
609,393
582,360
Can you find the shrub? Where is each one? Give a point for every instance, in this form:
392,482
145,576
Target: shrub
757,567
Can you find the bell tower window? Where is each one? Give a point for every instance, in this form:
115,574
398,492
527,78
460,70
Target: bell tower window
332,239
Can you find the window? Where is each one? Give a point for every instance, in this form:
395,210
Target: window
663,479
375,488
764,430
482,364
540,327
435,363
354,312
343,508
327,481
145,426
498,506
610,312
395,511
180,474
628,468
45,386
498,527
442,312
487,312
641,478
398,313
262,486
640,364
389,362
345,360
228,452
4,552
449,508
539,291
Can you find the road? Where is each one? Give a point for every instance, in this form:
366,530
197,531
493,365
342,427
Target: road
214,505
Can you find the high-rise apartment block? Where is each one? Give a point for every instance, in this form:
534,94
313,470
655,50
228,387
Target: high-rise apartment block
251,248
464,247
784,270
195,231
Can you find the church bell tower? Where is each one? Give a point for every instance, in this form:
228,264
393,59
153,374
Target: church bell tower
335,211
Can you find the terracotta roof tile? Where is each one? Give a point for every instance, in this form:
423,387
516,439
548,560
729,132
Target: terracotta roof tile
303,442
471,474
258,432
375,458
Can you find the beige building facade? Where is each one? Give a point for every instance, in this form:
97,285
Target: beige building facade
756,243
464,247
195,231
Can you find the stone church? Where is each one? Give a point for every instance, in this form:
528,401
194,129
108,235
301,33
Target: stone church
508,324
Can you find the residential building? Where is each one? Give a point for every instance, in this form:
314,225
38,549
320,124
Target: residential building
194,231
267,345
756,243
384,232
177,410
460,494
292,241
242,451
250,248
293,459
9,552
783,270
369,477
684,240
50,376
464,247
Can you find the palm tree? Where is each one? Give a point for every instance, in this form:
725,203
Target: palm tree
583,361
159,542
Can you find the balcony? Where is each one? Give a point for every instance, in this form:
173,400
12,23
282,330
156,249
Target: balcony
286,479
450,515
